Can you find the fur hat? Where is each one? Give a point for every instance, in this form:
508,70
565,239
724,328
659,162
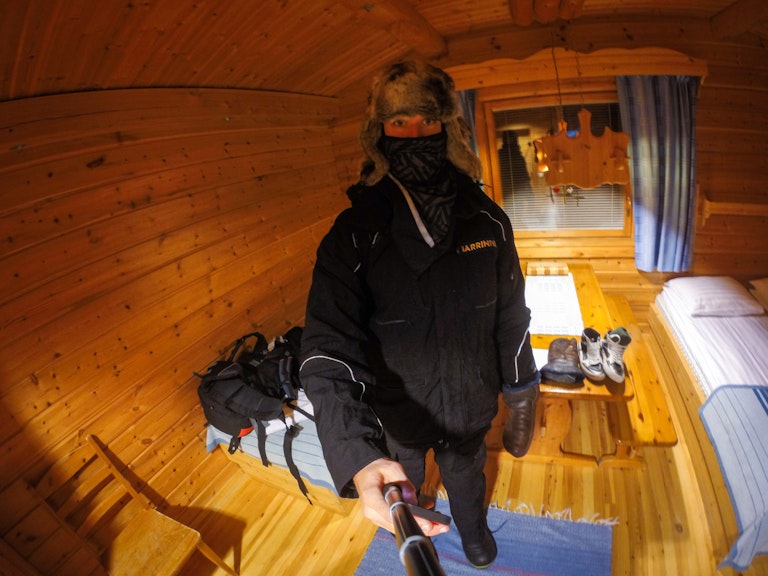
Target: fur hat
412,88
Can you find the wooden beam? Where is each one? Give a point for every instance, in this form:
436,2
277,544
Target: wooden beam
546,11
521,12
741,16
585,34
402,20
600,63
710,208
570,9
524,12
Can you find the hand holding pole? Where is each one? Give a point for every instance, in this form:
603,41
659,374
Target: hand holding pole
417,553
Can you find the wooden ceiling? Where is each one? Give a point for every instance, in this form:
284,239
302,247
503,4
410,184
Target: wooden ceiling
306,46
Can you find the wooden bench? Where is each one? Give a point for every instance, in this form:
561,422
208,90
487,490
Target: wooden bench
636,411
645,419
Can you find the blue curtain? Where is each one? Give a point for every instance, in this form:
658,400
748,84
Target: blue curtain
658,113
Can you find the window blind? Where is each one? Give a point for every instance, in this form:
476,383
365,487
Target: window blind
527,199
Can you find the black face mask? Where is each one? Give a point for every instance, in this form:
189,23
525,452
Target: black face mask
421,166
416,160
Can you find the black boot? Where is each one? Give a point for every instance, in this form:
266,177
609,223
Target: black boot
521,418
562,362
480,550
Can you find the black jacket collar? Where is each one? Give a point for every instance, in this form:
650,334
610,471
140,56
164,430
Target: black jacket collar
382,207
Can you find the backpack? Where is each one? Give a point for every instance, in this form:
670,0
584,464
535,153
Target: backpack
274,369
241,392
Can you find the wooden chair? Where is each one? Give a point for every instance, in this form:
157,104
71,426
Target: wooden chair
131,535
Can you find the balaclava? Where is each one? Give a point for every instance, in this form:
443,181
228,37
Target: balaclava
420,167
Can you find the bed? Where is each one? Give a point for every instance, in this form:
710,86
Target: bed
713,334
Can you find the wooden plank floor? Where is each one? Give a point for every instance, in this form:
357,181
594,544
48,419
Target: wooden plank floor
661,527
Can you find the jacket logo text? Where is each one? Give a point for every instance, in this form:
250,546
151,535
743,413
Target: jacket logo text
479,245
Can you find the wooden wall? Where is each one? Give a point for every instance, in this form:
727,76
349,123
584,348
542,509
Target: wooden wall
143,231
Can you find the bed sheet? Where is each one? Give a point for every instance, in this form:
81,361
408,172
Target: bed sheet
720,350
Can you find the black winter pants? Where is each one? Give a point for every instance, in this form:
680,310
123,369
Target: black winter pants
461,466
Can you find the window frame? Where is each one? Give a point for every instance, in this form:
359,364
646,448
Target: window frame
519,97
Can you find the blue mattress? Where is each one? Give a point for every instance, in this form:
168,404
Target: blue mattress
736,419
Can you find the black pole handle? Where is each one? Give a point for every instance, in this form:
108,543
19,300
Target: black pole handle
417,553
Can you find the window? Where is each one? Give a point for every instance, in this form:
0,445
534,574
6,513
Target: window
532,205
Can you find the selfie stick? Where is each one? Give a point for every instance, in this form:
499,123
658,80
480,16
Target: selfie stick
417,553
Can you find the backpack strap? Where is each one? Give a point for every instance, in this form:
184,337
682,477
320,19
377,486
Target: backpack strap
261,344
261,436
291,432
293,406
284,371
234,444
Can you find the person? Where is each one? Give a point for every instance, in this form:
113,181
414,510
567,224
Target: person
416,316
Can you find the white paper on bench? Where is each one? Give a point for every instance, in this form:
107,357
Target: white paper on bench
554,305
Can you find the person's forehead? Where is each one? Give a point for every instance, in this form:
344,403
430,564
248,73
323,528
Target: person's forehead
407,117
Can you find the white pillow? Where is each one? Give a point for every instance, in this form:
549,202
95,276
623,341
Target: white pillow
713,296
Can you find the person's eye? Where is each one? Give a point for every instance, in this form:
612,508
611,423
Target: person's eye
430,121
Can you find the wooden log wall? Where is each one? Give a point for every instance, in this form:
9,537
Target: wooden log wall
143,232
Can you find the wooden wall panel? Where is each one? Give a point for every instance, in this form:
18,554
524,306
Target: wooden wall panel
347,150
143,232
731,136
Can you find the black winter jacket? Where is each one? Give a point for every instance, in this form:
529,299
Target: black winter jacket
413,339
